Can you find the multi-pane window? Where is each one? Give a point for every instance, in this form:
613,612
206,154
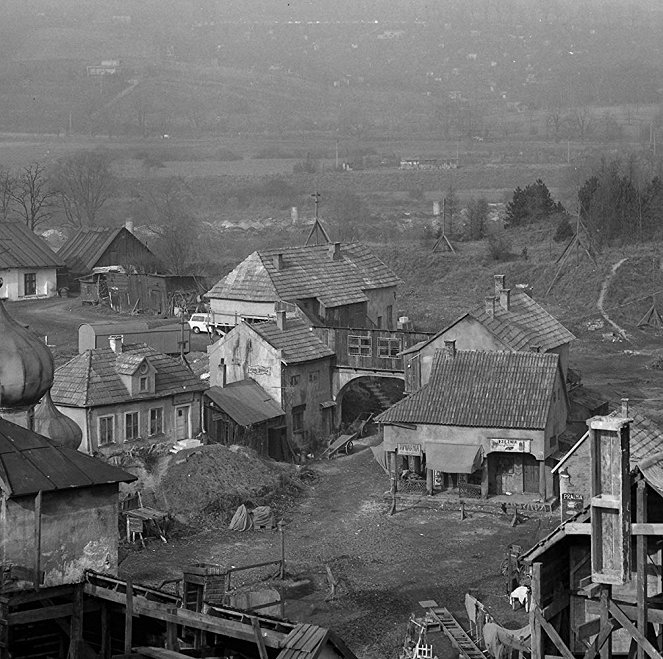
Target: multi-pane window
131,426
313,378
106,430
359,345
143,384
30,283
388,348
156,421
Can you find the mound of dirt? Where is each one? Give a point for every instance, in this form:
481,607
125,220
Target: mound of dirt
209,482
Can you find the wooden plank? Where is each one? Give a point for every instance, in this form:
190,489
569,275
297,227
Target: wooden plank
553,635
641,562
578,528
184,617
128,617
37,548
16,599
535,627
159,653
606,648
48,613
76,625
559,603
104,649
260,642
640,639
589,628
642,528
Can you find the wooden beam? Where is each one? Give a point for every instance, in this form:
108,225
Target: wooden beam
641,564
606,648
262,650
37,547
642,528
535,601
640,639
578,528
16,599
631,611
604,633
159,653
105,645
76,625
47,613
587,629
559,603
128,617
553,635
184,617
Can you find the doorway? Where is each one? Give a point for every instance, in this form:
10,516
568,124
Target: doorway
182,422
530,473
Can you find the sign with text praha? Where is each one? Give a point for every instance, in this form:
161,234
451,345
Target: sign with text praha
511,445
408,449
571,504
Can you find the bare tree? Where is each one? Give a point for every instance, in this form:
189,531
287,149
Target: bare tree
168,210
7,186
33,196
84,183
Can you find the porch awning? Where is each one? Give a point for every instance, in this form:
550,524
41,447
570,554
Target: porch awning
454,458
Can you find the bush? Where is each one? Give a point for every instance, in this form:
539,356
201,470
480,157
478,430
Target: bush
564,229
498,247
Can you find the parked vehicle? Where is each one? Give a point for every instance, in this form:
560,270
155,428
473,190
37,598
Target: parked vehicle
203,322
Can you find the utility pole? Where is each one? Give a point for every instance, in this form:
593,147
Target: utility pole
316,196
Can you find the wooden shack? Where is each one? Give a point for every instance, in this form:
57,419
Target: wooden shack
166,339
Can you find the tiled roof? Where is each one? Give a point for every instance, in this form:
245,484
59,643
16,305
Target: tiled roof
82,251
306,272
29,463
91,378
482,389
297,341
127,363
21,248
246,402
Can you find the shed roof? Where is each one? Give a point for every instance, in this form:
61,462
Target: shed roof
525,325
483,389
307,641
21,248
297,341
91,378
246,402
307,272
29,463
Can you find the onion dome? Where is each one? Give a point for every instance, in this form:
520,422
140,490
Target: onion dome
58,427
26,364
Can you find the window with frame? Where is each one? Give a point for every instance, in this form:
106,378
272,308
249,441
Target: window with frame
359,345
294,380
156,421
388,347
30,283
106,430
143,384
130,426
314,378
298,418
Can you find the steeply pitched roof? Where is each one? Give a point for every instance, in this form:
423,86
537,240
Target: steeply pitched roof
306,272
246,402
30,463
21,248
526,324
482,389
297,341
91,378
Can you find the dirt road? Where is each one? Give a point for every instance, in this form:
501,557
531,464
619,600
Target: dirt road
387,564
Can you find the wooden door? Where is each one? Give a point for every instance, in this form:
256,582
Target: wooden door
530,473
182,422
503,473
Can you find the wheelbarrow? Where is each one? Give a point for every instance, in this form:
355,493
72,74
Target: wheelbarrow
342,444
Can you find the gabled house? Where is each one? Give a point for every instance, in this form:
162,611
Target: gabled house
337,285
128,394
486,420
106,247
28,266
287,360
508,320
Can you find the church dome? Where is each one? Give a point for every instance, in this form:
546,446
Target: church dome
26,364
59,428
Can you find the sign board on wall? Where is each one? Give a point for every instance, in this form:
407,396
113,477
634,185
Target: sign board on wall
409,449
260,370
511,445
571,504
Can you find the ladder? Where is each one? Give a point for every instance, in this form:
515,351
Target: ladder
456,634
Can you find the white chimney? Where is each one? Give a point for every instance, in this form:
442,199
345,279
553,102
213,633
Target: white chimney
450,349
294,215
280,320
335,251
129,225
277,260
115,342
500,284
625,408
505,299
490,305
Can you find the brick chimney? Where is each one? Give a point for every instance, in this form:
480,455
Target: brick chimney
625,408
115,342
280,320
334,251
500,284
277,260
490,305
505,299
450,349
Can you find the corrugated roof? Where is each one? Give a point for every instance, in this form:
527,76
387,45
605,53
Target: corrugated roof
21,248
91,379
82,251
297,341
30,463
246,402
306,272
482,389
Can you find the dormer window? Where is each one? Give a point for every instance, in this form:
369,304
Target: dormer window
144,384
137,374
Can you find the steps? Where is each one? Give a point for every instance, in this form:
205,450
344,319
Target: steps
456,634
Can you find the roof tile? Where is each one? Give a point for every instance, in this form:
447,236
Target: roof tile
21,248
297,341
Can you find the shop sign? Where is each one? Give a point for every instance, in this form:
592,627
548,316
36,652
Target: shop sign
511,445
409,449
260,370
572,503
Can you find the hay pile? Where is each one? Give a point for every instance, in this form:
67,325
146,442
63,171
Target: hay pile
206,484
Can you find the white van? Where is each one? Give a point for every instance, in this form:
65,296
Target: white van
202,322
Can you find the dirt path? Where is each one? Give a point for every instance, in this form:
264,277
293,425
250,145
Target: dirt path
604,292
387,564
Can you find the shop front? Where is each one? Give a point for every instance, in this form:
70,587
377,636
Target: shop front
512,469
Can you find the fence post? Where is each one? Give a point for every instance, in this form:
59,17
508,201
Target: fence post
282,534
